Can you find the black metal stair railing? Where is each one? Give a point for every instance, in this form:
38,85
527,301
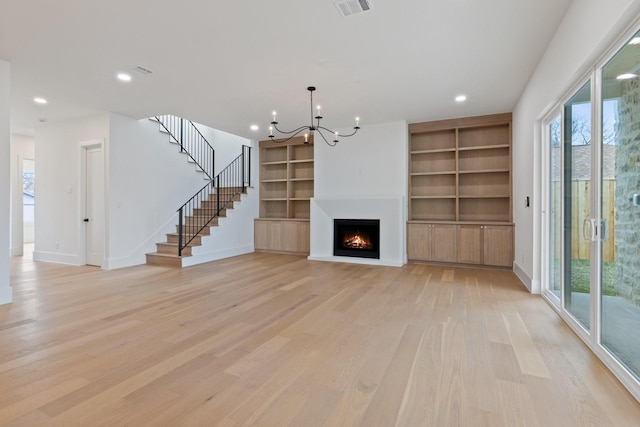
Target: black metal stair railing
212,200
184,133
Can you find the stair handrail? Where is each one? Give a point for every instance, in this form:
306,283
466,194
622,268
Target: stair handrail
185,133
224,187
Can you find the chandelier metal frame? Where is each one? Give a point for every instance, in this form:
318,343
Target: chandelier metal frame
311,128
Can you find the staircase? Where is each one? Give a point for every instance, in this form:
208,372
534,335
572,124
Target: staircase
202,211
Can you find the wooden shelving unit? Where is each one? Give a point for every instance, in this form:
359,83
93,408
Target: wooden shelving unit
286,187
460,175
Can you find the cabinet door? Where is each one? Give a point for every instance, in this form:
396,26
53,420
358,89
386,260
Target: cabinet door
304,231
295,236
266,235
443,243
260,235
290,236
419,242
470,244
498,245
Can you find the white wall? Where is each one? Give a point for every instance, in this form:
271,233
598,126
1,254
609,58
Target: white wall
364,176
22,147
588,28
6,294
148,180
58,211
373,163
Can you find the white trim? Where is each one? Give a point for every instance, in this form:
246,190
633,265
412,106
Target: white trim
68,259
544,169
524,277
352,260
83,146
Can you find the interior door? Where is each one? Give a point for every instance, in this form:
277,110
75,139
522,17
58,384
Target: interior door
94,205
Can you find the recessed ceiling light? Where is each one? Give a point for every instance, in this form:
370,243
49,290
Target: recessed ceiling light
635,40
254,127
461,98
39,100
626,76
124,77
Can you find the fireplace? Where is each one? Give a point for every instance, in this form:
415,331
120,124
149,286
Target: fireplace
356,238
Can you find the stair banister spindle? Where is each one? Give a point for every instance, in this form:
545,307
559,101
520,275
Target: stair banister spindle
180,223
181,136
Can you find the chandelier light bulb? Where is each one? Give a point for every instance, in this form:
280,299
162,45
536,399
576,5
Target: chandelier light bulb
274,115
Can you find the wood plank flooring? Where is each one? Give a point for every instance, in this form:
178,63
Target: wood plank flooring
277,340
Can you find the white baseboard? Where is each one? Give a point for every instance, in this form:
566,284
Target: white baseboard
68,259
524,278
201,258
354,260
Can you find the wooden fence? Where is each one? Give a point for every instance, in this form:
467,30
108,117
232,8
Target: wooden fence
580,209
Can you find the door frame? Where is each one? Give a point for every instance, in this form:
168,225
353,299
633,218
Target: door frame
593,338
83,147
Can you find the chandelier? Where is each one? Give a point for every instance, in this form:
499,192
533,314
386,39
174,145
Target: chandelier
311,128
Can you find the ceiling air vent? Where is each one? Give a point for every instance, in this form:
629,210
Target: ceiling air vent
352,7
142,70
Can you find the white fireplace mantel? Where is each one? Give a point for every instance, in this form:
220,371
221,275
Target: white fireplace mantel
389,210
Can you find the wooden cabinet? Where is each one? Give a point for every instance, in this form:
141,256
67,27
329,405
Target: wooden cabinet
470,244
281,235
286,187
460,174
431,242
498,245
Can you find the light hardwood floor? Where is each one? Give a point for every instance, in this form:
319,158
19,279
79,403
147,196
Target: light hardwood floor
276,340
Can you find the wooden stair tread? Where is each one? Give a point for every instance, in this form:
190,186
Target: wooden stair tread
167,255
164,260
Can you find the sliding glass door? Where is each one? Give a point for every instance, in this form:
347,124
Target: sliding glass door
620,287
592,212
577,183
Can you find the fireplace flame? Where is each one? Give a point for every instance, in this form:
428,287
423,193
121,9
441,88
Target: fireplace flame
357,242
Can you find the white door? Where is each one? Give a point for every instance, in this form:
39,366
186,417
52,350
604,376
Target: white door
94,205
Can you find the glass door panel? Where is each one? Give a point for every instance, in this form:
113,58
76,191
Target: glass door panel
577,205
620,289
555,206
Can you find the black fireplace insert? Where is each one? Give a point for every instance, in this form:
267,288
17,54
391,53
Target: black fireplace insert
356,238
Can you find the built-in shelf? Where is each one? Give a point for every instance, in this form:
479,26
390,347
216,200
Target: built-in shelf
286,187
460,195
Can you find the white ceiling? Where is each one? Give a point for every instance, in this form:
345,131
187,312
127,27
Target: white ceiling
228,64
